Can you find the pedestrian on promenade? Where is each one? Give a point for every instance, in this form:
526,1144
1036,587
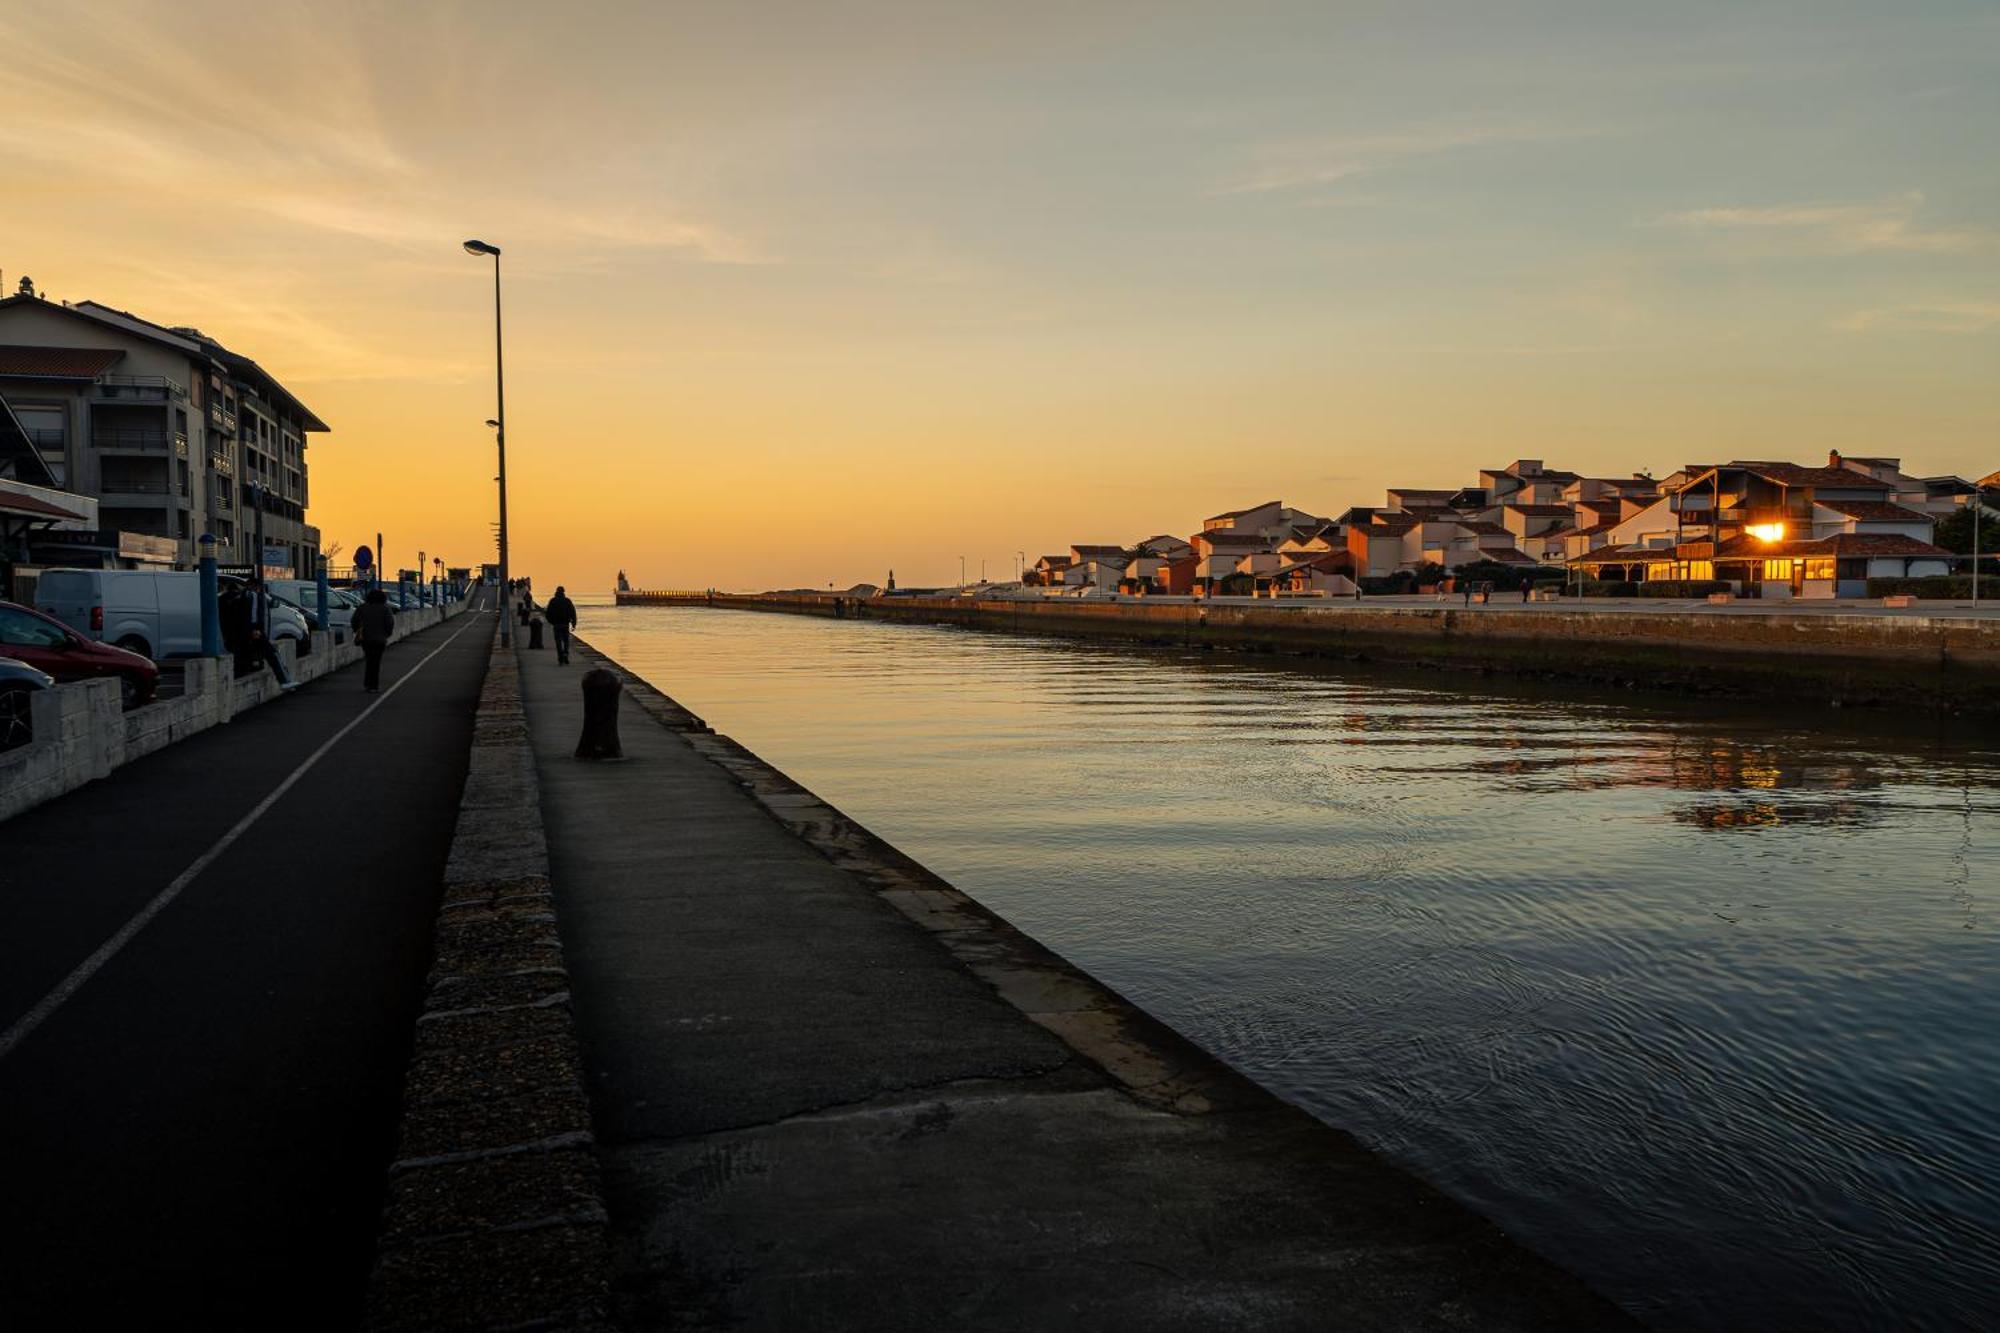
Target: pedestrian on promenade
1527,586
241,611
561,615
373,623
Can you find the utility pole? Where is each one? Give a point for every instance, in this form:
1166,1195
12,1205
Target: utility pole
499,425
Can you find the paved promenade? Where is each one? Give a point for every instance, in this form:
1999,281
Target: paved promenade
197,1105
831,1093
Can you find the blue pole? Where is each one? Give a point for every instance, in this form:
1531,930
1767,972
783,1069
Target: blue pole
211,608
325,612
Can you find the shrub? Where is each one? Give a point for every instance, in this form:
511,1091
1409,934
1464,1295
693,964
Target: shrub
1601,588
1938,587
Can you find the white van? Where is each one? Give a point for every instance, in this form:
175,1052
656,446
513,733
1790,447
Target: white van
153,612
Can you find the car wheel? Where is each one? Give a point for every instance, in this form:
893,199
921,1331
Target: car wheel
17,725
132,643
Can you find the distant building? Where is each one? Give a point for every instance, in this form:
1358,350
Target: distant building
172,433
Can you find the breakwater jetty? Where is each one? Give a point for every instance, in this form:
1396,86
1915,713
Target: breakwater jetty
1943,658
830,1090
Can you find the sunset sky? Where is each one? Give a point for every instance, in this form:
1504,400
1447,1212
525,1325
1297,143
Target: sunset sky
800,292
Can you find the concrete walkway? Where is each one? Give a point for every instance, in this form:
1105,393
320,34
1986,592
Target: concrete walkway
201,1094
832,1093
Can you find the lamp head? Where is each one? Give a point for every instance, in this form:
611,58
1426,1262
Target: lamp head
482,248
491,422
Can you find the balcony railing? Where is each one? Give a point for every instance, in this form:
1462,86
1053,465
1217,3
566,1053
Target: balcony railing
115,437
222,465
222,504
115,485
139,387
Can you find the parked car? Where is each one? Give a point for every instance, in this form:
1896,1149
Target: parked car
153,612
48,645
19,683
304,594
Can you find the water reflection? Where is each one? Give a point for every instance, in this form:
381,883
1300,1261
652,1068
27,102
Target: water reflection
1698,998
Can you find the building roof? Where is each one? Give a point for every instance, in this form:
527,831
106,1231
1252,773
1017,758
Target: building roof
1249,509
240,366
1232,537
1087,551
57,363
1791,474
1840,544
1508,555
1483,528
1434,513
1417,493
1874,511
1542,511
31,506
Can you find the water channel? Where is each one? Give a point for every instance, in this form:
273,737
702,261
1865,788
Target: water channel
1701,1000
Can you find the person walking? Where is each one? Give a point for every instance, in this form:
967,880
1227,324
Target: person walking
561,615
372,625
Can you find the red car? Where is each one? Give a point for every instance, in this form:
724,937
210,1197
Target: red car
48,644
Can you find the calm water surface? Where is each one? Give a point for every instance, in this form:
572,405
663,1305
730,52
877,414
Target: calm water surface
1700,1001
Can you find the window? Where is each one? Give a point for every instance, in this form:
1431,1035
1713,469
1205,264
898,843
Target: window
19,629
1778,570
1820,568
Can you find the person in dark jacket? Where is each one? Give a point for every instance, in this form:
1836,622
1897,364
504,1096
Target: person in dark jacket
372,625
561,615
241,610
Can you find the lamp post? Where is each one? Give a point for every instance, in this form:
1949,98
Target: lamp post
499,424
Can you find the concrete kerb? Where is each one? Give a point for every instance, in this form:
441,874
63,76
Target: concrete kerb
81,733
495,1215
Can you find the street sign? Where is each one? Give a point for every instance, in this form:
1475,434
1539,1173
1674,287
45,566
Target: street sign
363,557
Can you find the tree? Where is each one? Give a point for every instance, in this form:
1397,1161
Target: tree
1955,533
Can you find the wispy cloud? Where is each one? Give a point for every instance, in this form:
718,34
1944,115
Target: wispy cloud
1933,317
1303,163
1853,228
314,154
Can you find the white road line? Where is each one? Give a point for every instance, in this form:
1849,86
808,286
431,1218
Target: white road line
108,950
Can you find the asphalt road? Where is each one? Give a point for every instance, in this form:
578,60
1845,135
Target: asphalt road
197,1135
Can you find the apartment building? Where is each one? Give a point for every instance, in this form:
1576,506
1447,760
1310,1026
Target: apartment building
173,434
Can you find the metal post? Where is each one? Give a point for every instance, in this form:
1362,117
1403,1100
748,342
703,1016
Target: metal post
379,561
325,611
257,567
500,445
1978,512
211,610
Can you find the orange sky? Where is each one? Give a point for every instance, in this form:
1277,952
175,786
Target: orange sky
799,293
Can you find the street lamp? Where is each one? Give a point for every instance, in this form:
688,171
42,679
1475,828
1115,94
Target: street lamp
499,424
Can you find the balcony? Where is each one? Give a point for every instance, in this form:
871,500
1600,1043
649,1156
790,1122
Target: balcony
129,485
222,506
221,420
221,465
138,388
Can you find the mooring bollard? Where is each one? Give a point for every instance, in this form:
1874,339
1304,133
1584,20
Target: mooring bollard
535,632
600,716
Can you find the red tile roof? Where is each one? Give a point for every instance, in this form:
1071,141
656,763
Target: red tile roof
57,363
1875,511
13,502
1840,544
1791,474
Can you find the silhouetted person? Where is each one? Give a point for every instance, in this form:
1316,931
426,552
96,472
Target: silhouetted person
372,625
561,615
241,611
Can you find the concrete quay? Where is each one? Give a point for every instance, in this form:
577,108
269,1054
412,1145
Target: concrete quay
829,1091
1934,656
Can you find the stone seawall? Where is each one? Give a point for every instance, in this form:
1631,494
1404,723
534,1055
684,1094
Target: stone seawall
1936,661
